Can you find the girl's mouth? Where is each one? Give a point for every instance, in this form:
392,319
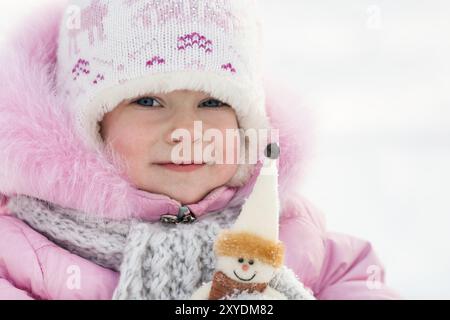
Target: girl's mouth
181,167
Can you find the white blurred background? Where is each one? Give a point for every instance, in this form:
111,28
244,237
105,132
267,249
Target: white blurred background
377,75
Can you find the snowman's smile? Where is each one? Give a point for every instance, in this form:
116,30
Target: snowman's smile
243,278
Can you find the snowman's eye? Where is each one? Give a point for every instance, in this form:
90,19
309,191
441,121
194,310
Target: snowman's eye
251,262
241,260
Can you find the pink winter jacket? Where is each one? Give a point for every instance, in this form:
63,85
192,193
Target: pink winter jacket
42,156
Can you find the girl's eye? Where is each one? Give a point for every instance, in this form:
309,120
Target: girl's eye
213,103
147,102
240,260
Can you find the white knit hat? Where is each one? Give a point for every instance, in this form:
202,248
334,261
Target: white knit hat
112,50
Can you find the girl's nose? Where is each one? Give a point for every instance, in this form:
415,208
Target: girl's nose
192,131
245,267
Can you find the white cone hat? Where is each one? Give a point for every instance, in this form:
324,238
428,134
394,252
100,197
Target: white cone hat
255,232
260,213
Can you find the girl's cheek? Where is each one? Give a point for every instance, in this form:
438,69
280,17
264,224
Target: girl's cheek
230,146
226,123
232,141
124,138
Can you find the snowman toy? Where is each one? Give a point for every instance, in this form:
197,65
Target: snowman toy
249,254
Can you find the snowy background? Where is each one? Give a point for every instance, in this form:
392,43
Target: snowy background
377,75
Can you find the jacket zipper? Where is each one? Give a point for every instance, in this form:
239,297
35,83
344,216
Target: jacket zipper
184,216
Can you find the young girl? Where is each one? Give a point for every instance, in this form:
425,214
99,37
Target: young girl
93,203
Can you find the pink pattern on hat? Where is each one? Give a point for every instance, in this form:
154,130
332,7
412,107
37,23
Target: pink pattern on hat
196,65
229,67
164,12
98,78
80,68
144,48
155,61
219,16
91,20
109,63
210,12
195,39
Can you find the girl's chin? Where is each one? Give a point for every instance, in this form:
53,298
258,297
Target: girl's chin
190,199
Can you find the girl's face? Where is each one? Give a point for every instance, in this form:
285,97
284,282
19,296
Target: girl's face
140,132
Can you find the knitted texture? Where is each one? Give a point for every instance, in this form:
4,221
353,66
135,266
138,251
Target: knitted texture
155,260
110,51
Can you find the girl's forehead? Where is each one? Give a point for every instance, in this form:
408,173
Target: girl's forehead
183,94
186,92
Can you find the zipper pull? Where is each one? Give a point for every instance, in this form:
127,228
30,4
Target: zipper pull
168,218
184,216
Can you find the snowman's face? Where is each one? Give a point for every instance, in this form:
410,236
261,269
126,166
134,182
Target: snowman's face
245,269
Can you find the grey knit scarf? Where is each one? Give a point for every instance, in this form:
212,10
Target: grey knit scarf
155,260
